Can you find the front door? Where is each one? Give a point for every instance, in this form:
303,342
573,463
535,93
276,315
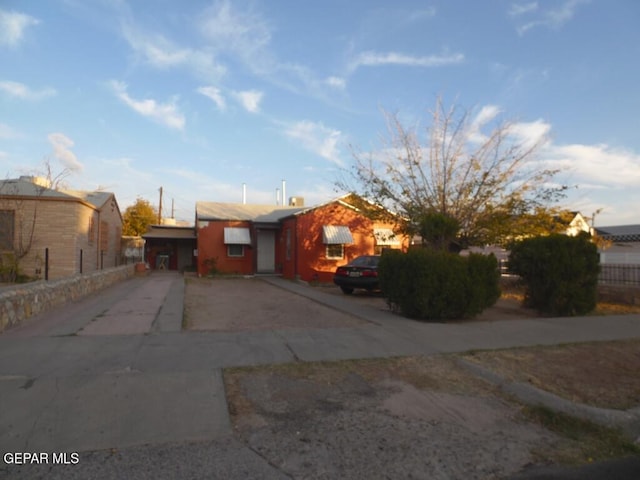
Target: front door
266,251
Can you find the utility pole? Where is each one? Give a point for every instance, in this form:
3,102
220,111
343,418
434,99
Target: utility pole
160,209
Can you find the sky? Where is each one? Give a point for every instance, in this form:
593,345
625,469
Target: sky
203,97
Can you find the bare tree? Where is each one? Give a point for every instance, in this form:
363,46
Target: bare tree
481,180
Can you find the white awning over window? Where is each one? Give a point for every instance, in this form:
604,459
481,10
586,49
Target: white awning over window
385,236
336,234
237,236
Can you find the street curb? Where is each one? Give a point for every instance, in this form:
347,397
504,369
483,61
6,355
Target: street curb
626,420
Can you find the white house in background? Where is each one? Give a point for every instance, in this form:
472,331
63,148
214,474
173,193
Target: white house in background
577,224
625,244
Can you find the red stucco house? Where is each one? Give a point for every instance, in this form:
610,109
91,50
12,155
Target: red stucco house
306,243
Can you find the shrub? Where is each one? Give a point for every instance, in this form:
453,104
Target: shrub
560,273
437,285
211,264
484,275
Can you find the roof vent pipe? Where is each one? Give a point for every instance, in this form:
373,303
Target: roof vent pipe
284,196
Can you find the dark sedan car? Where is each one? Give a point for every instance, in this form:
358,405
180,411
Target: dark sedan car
361,272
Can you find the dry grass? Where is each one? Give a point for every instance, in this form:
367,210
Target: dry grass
604,308
516,292
602,374
585,442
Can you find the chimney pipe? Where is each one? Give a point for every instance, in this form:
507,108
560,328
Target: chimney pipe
244,193
277,196
284,196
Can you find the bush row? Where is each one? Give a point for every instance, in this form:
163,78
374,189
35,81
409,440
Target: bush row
436,285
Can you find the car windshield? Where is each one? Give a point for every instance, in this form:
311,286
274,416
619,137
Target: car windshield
366,261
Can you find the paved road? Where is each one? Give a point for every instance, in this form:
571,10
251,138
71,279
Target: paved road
115,380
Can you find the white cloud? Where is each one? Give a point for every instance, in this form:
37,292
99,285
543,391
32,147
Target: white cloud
551,18
376,59
13,26
244,33
161,53
486,114
62,151
336,82
596,164
22,91
249,99
531,133
522,8
164,113
317,138
214,94
8,133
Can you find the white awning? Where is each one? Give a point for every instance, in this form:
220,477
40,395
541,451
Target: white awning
237,236
336,235
385,236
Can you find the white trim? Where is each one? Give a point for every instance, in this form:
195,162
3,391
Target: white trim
336,234
385,236
237,236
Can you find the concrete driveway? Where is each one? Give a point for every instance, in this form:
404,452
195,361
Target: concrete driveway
114,379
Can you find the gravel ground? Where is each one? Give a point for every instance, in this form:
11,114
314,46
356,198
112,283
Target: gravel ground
389,429
223,305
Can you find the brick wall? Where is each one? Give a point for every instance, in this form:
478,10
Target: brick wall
19,302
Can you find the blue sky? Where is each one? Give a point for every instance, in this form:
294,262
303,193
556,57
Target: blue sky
201,97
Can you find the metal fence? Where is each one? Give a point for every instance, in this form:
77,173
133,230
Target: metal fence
619,274
610,273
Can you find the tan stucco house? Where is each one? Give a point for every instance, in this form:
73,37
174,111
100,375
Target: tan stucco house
57,233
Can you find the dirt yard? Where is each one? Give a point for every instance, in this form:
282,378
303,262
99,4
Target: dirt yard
409,417
605,375
223,305
394,418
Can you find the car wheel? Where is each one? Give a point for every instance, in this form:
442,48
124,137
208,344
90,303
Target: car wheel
346,290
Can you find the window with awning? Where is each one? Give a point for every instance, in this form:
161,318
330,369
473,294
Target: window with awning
336,235
237,236
385,236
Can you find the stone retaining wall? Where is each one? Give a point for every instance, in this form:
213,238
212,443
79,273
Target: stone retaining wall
19,302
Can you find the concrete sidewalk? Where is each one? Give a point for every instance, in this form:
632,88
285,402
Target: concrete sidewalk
115,371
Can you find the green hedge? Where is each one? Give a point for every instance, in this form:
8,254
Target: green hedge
560,273
435,285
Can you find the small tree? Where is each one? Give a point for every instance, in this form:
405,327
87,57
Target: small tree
137,218
481,179
438,231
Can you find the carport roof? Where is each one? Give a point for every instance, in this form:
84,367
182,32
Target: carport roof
242,211
170,232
